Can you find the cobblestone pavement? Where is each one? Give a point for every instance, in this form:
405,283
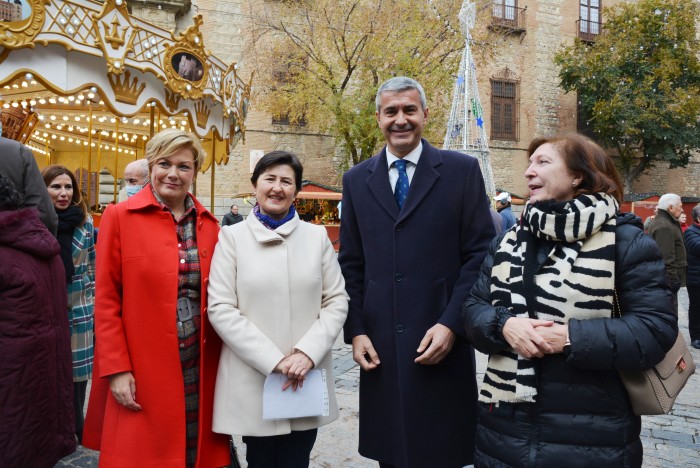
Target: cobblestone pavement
671,440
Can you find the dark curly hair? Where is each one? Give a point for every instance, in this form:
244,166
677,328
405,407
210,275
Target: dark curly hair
10,198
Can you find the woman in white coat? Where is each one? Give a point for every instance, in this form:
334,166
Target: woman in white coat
277,299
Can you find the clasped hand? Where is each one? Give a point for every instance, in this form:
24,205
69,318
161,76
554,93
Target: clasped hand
294,366
533,338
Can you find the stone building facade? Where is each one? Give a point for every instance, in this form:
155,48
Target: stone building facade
521,69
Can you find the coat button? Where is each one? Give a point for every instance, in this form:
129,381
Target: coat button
398,277
203,253
399,227
399,328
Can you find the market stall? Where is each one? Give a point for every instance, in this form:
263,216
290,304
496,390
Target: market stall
86,85
320,204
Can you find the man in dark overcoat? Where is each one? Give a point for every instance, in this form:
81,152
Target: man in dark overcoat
412,242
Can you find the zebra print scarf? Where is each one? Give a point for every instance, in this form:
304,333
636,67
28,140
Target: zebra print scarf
576,280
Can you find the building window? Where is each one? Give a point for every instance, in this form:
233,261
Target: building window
589,19
504,107
283,80
506,14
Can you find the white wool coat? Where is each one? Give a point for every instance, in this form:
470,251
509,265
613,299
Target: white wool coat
271,292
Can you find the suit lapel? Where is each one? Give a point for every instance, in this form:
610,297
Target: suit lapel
378,182
423,180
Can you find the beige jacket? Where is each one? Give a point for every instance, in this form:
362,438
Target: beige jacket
271,292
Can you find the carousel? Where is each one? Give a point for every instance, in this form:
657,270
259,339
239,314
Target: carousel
85,85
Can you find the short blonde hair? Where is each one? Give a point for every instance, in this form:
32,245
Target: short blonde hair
164,144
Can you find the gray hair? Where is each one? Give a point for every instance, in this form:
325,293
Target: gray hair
140,164
398,84
695,213
668,199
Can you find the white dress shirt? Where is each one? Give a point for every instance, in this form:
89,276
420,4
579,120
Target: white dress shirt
411,157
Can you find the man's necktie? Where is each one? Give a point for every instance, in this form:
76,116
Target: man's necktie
401,189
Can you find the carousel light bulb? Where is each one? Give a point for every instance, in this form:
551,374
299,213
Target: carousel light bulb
42,101
32,102
52,100
77,118
46,135
71,98
113,120
53,137
80,97
125,120
53,117
48,125
136,121
24,84
114,134
41,117
91,95
14,104
15,86
61,99
65,117
28,76
6,106
144,137
59,127
70,140
62,138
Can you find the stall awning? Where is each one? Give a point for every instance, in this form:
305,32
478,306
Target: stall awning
320,195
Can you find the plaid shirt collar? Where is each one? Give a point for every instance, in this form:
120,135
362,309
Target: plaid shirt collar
189,204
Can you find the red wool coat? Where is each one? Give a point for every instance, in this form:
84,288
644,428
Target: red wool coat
136,330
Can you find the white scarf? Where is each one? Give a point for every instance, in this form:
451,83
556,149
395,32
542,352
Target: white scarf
576,280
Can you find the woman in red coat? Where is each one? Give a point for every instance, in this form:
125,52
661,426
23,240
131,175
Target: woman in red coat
156,353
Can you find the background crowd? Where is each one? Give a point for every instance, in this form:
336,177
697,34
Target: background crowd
191,322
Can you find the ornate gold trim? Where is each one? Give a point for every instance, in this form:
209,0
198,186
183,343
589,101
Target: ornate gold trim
202,112
190,78
115,37
172,99
126,91
17,34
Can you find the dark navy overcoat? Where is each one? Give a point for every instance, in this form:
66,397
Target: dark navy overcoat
405,271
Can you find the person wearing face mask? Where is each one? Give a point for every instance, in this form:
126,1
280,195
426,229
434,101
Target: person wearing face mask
157,354
135,177
541,310
277,299
76,236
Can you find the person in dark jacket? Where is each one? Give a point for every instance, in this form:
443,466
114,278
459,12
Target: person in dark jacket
541,309
666,231
232,217
36,385
692,249
18,164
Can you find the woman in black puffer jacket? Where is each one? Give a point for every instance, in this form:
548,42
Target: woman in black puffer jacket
541,310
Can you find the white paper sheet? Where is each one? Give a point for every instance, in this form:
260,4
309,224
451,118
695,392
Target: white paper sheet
309,400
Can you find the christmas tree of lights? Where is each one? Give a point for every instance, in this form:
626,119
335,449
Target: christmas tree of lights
465,129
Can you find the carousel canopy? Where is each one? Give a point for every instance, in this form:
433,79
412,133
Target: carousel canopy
86,74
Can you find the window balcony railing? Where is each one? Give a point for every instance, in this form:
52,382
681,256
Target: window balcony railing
508,17
588,30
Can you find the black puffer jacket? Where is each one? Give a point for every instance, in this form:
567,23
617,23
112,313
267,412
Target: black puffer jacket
582,416
692,250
